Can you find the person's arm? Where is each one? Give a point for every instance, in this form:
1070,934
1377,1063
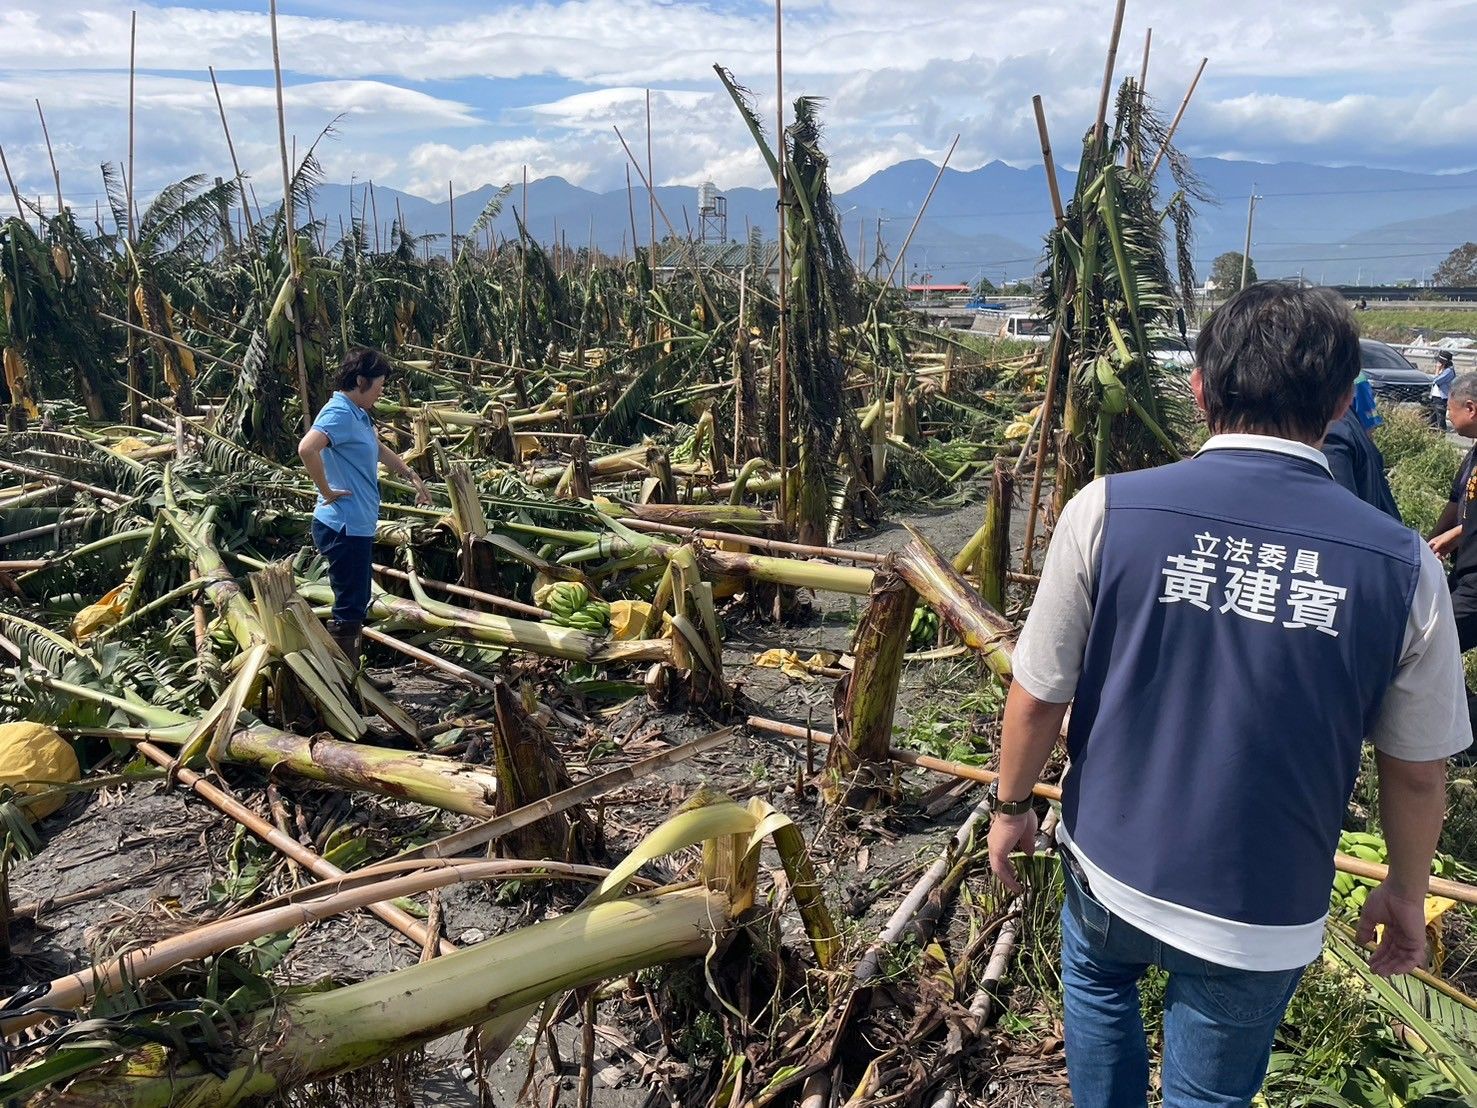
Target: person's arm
1444,542
1047,663
310,450
396,464
1422,721
1412,805
1445,521
1028,733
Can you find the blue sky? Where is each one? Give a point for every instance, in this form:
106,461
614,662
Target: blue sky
470,92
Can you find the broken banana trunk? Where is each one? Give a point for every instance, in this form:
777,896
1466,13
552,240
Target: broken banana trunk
857,761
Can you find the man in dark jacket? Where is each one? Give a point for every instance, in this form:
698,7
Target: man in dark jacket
1460,516
1356,463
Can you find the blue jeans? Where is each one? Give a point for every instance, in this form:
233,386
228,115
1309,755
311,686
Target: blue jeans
350,562
1218,1021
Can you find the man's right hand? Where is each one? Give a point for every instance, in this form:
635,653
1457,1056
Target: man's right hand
333,495
1403,942
1446,542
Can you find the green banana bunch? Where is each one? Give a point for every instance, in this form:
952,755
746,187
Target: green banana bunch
925,627
573,606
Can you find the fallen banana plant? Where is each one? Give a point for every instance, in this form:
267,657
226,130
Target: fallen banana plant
311,1036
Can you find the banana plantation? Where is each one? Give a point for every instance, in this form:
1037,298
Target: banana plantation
660,779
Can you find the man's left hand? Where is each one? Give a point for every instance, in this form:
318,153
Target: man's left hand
1008,834
422,493
1403,942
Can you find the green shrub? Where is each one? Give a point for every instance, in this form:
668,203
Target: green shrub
1421,463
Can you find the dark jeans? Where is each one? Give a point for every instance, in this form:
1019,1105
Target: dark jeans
1436,413
1218,1021
350,558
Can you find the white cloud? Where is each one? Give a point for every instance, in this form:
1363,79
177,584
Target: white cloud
1333,80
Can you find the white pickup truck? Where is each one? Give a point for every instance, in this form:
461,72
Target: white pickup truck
1017,326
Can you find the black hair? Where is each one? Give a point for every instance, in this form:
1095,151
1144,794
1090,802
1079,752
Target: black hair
1278,359
359,362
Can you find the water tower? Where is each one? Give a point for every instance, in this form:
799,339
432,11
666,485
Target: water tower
712,214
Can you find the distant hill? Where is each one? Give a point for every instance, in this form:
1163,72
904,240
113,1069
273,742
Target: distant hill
1334,224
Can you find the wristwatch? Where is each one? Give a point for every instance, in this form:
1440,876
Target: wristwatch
1000,807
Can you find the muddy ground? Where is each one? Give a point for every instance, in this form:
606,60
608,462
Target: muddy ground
121,870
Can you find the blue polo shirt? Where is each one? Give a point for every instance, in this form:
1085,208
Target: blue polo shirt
350,461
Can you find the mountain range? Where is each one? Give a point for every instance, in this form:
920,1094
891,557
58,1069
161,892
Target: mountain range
1335,225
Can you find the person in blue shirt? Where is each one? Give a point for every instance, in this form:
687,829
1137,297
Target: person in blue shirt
1364,404
342,454
1441,389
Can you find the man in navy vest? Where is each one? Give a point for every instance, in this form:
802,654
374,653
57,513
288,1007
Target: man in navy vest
1229,630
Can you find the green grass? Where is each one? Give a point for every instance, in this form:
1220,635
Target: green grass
1401,325
1421,464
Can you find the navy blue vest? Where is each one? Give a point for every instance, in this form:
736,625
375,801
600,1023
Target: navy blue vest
1249,616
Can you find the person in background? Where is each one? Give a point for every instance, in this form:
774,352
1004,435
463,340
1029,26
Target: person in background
342,454
1228,630
1357,464
1441,389
1364,403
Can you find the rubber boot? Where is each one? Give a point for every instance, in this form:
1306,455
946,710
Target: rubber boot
350,639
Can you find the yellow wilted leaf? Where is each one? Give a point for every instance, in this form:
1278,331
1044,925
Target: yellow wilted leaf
527,446
1021,426
627,618
130,446
16,382
792,665
106,612
32,753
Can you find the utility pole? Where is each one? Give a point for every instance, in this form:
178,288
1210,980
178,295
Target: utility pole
1246,253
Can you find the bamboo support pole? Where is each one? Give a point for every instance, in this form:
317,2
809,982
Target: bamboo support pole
14,192
195,350
650,193
317,902
397,918
56,177
135,408
52,478
461,590
1102,105
870,963
251,228
1175,123
917,219
289,232
782,331
459,842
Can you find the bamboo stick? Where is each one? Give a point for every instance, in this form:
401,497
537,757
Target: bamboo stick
650,191
917,219
289,232
251,228
528,610
135,405
1175,124
1102,105
14,192
43,475
55,176
782,332
459,842
218,935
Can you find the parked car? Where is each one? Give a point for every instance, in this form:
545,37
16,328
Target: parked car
1391,374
